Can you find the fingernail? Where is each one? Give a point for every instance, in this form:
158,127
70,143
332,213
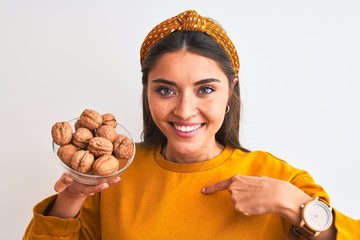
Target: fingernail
117,179
103,186
68,180
203,190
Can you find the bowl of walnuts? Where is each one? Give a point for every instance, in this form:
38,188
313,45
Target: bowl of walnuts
92,148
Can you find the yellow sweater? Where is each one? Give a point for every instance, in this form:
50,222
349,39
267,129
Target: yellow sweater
158,199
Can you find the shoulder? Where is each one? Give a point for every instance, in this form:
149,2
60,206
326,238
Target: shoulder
259,156
144,150
143,153
263,163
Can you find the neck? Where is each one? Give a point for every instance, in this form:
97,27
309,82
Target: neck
204,154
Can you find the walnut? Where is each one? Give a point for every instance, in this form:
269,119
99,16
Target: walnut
109,119
106,131
106,165
66,152
94,140
61,133
81,137
82,161
99,146
123,147
90,119
77,124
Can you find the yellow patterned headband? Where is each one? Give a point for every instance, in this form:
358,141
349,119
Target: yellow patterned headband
191,21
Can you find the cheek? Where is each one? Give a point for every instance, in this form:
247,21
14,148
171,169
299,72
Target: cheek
157,110
215,113
216,108
216,116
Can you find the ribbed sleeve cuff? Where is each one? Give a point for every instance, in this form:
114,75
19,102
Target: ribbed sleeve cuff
53,226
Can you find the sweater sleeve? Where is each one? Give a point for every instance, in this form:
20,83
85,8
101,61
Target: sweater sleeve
305,182
346,227
54,228
49,227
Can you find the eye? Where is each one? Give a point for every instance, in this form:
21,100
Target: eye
165,91
206,90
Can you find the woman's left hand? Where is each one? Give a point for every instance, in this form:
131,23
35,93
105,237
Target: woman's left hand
260,195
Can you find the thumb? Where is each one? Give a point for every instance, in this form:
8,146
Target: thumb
219,186
63,183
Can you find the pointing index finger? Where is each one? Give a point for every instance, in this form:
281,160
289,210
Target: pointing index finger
219,186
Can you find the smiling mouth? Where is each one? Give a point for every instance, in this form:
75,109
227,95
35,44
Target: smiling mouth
187,129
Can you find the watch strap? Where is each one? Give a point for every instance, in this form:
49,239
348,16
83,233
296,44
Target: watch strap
305,232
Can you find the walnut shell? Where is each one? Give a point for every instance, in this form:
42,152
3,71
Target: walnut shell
77,124
61,133
66,152
123,147
81,137
90,119
99,146
82,161
106,165
109,119
106,131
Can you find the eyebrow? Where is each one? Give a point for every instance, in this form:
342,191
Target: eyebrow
200,82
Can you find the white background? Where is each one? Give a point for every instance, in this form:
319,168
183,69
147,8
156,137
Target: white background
299,79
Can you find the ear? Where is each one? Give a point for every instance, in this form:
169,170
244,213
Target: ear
235,81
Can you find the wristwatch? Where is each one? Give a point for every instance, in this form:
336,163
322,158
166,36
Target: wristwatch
316,217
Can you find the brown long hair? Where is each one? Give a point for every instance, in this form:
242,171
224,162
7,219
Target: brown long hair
199,43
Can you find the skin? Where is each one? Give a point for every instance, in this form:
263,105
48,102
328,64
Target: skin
188,94
71,196
187,90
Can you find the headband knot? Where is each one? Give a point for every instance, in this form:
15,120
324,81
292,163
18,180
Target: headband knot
191,21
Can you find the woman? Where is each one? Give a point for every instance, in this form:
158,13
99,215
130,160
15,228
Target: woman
191,178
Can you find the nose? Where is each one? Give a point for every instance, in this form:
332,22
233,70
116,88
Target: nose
186,107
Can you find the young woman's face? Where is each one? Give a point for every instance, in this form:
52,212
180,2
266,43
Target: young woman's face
188,94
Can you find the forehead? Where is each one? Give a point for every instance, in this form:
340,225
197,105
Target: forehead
186,65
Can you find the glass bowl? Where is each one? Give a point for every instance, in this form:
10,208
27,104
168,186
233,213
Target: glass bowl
93,179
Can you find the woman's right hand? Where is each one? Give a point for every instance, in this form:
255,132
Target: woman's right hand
72,194
66,185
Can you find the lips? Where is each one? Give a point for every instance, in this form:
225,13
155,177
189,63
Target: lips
187,128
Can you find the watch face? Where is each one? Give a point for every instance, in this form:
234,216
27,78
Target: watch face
318,216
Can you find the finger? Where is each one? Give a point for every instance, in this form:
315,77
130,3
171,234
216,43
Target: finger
63,183
102,186
219,186
83,190
115,180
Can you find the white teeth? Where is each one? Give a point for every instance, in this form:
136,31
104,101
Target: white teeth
187,128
